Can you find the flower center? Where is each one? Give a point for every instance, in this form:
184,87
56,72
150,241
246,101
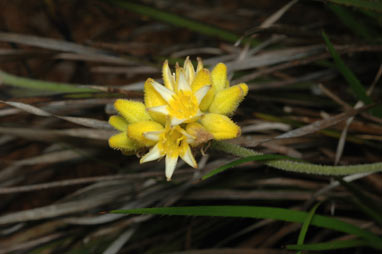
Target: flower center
183,105
170,141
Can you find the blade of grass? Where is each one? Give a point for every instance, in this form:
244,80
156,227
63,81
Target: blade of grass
371,5
180,21
305,225
355,84
12,80
262,213
349,20
333,245
264,157
358,89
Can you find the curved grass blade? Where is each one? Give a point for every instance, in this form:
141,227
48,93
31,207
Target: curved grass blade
264,157
259,212
333,245
305,225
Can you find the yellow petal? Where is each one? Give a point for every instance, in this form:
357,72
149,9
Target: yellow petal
132,111
120,141
219,77
203,78
136,130
154,99
244,87
227,100
199,67
168,78
220,126
207,100
200,134
118,122
189,70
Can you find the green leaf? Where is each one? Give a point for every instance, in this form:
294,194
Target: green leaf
264,157
305,225
364,4
259,212
333,245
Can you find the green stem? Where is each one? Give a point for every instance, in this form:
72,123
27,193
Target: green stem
300,167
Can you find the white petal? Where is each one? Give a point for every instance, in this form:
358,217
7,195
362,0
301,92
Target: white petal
168,77
170,166
153,154
182,82
175,121
163,91
189,70
160,109
152,135
201,93
189,158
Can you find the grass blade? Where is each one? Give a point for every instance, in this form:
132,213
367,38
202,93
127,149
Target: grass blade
358,89
355,84
264,157
348,19
305,225
263,213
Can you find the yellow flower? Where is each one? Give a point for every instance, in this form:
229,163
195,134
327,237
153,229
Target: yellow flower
139,130
177,98
191,108
172,142
132,112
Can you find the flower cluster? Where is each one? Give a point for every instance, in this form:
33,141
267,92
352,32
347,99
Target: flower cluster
191,108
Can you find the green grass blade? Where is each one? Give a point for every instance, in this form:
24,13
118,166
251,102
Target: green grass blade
305,225
9,79
349,20
261,213
355,84
333,245
180,21
364,4
358,89
264,157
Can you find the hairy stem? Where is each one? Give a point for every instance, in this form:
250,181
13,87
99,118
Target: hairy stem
301,167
